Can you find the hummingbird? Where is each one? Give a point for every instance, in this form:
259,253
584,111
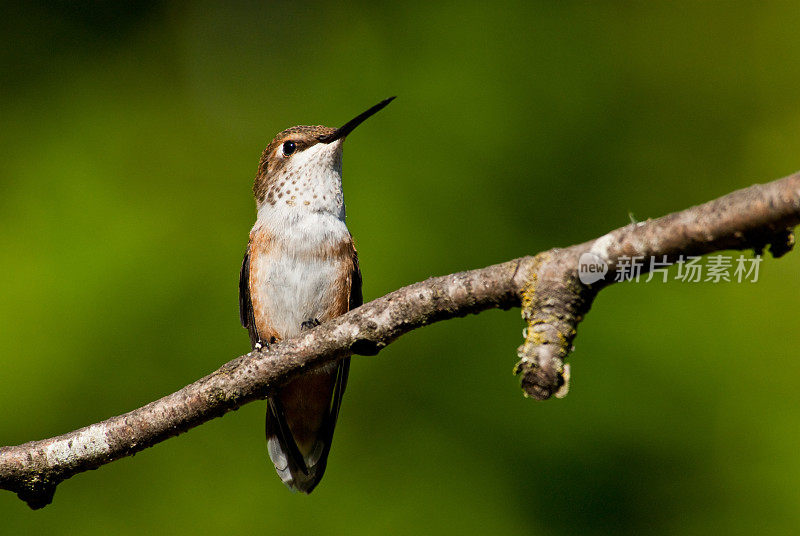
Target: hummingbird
301,269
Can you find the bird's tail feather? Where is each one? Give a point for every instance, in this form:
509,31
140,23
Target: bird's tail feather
302,472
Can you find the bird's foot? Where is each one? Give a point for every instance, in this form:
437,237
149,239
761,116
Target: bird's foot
308,324
263,345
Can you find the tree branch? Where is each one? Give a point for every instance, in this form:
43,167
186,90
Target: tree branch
547,286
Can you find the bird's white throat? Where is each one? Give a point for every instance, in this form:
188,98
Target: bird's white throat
311,181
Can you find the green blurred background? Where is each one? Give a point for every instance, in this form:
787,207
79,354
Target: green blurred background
129,137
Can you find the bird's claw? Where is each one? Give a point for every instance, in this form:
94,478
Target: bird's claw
308,324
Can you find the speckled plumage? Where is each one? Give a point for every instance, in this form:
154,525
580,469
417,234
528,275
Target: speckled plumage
271,166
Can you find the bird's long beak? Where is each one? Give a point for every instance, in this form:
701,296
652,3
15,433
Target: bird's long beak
348,127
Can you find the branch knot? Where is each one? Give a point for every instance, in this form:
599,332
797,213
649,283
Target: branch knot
554,301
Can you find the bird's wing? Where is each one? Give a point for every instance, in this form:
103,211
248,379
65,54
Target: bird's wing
356,296
343,368
246,315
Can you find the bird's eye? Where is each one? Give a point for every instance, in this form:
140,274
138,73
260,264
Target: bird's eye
288,148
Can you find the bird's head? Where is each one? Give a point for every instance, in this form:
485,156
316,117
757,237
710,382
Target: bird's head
302,166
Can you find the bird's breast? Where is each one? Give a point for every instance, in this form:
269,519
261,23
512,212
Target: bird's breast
299,274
